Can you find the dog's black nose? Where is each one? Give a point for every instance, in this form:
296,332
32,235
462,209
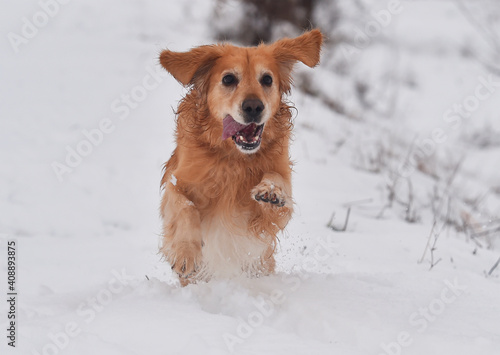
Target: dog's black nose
252,110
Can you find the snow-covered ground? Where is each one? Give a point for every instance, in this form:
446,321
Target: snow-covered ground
90,280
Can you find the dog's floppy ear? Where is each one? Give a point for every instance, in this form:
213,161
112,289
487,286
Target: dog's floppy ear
288,51
190,68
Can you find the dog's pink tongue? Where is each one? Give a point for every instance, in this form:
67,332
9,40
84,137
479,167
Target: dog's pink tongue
230,127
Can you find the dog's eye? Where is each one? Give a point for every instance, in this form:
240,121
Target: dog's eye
229,80
266,80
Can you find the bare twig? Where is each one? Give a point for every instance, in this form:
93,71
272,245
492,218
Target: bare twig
428,242
330,223
485,233
437,205
477,242
433,248
484,224
346,222
494,267
454,173
436,235
489,35
390,197
411,213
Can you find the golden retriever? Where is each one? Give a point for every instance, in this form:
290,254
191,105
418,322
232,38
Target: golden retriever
227,186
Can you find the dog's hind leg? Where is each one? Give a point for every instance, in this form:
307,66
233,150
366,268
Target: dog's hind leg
182,240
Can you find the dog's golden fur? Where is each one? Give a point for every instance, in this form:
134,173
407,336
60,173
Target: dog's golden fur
209,208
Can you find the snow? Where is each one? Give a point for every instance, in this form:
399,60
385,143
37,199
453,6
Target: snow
173,180
90,279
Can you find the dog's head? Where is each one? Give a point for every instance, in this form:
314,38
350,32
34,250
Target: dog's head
243,86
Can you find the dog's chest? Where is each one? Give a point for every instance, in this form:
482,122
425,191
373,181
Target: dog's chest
227,253
229,248
227,185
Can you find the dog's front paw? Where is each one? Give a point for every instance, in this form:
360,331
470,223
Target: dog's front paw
185,258
267,192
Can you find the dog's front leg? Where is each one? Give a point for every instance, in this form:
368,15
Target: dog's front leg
182,239
274,191
274,195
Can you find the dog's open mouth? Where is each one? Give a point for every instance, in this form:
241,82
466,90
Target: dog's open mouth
246,137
